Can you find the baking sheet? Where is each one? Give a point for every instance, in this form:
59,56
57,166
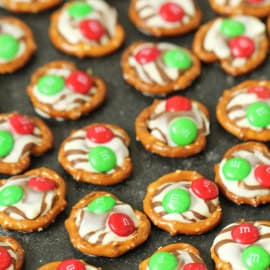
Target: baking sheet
122,106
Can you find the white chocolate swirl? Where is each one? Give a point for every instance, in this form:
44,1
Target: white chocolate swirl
22,143
16,32
215,41
13,255
248,187
78,146
230,251
148,11
199,209
161,119
155,72
34,203
67,99
236,108
69,27
94,228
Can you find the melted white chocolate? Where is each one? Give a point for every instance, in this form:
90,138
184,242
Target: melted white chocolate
16,32
34,203
67,99
78,147
248,187
159,127
148,10
231,251
155,72
94,227
198,210
69,27
215,42
20,142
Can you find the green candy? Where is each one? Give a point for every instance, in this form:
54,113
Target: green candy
101,205
10,195
50,85
232,28
183,131
258,114
177,59
79,10
255,258
162,261
102,158
6,143
9,47
176,201
236,169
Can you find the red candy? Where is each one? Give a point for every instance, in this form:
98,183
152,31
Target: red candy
22,124
5,259
262,92
194,266
92,29
147,55
71,264
255,1
204,188
262,175
178,103
121,224
40,183
171,12
242,47
99,134
245,233
79,82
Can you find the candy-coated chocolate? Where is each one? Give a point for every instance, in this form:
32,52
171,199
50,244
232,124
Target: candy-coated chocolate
171,12
102,158
5,259
245,234
41,183
79,10
177,58
99,134
178,103
255,258
232,28
6,143
204,188
262,92
50,85
80,82
92,29
258,114
254,2
147,55
176,201
11,195
71,264
121,224
183,131
22,124
242,47
9,47
163,261
236,169
101,205
262,175
194,266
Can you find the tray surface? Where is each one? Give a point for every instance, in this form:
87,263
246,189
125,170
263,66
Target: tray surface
122,105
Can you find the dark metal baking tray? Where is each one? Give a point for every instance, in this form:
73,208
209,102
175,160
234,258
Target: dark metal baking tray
122,106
